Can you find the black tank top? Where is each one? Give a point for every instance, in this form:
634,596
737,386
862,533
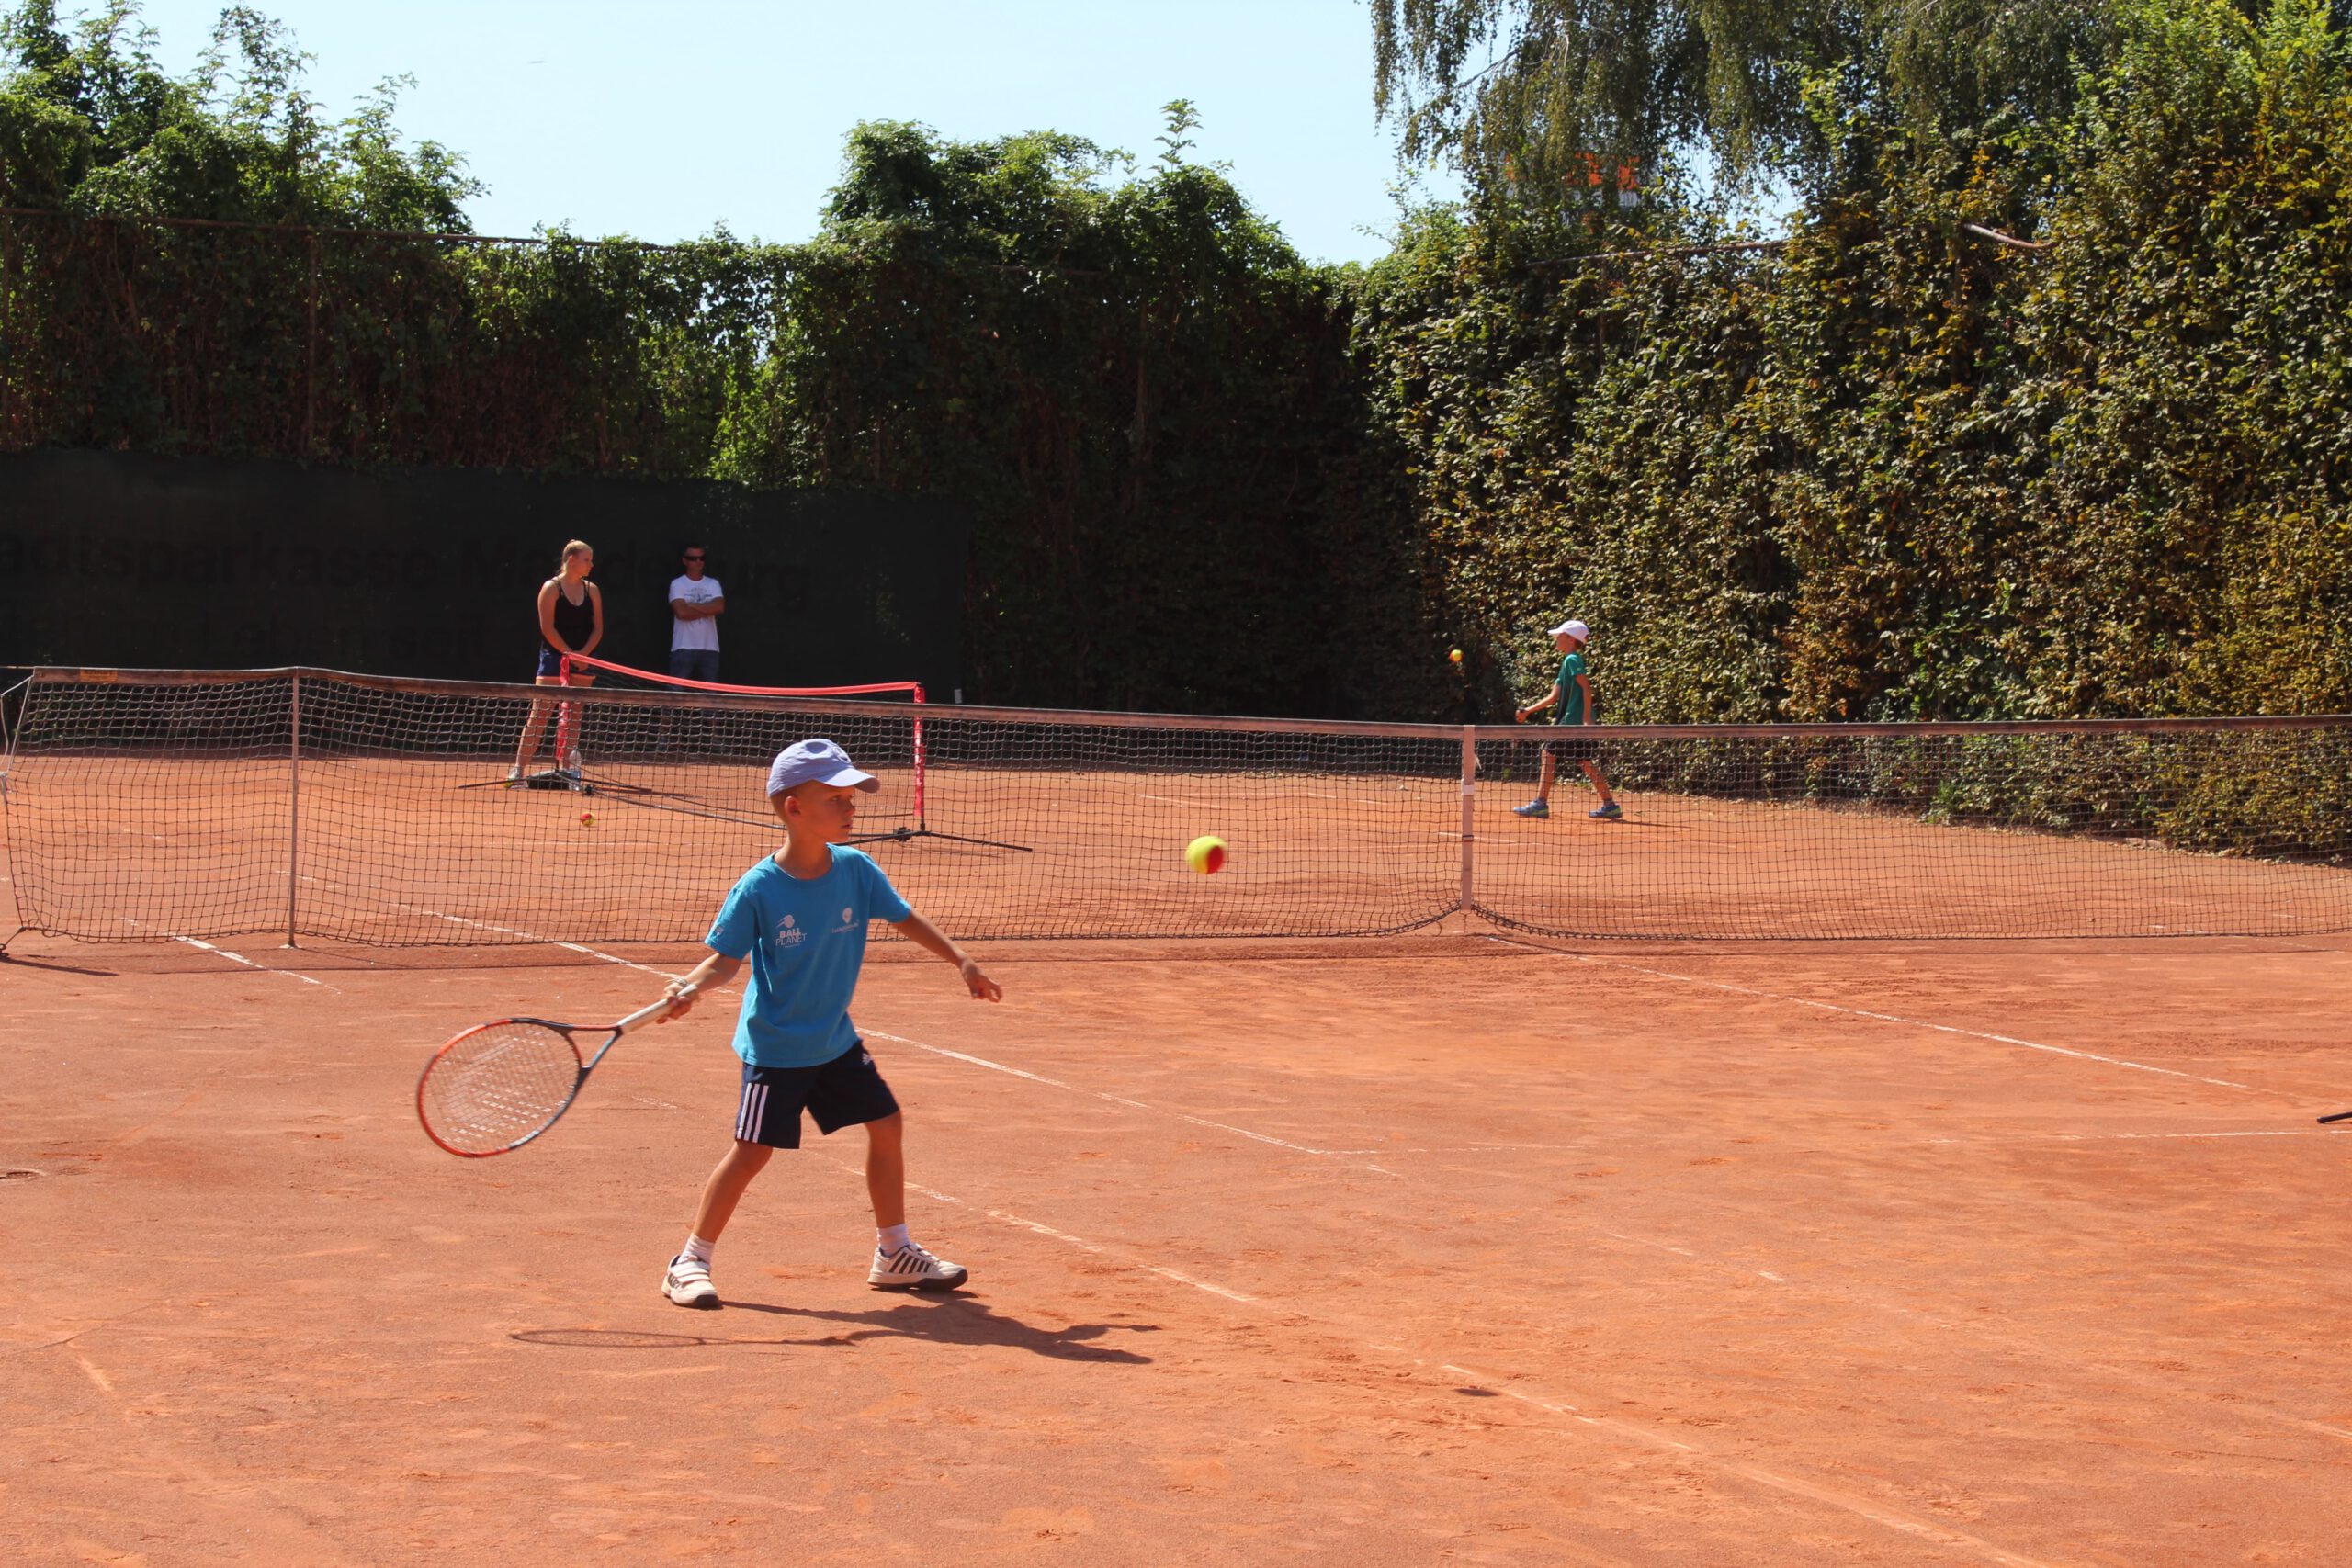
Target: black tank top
574,622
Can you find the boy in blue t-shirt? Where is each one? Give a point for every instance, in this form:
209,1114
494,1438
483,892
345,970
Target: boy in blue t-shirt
800,916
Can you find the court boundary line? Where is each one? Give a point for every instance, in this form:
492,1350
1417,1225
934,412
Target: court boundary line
235,957
1883,1514
1122,1099
1889,1018
1877,1512
1007,1217
1862,1300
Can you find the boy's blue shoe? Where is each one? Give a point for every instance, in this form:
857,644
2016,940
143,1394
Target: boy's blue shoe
1610,812
1533,809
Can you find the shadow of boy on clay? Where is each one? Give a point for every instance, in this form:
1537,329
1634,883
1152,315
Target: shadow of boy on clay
953,1320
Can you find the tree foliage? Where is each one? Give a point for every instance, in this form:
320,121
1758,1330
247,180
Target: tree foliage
1129,376
1523,94
89,122
1894,472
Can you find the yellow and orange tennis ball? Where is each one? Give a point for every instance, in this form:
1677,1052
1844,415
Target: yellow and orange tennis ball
1455,656
1205,854
587,820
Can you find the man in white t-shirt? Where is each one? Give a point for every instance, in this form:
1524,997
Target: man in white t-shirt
696,603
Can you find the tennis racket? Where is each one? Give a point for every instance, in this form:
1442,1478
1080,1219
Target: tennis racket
498,1086
2340,1116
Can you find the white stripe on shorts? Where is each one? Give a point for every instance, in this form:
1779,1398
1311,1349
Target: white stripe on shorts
754,1106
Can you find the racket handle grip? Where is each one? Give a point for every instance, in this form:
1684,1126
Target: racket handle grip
662,1009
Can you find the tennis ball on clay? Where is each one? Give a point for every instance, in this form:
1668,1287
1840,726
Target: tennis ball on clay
587,820
1455,656
1205,854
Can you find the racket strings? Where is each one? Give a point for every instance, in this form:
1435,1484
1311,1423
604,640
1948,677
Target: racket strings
497,1085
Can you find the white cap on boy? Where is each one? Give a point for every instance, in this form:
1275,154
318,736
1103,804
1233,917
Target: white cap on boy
1575,629
817,761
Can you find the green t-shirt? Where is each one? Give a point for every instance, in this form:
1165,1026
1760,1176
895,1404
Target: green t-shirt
1571,708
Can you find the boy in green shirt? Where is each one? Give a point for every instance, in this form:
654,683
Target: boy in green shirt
1571,693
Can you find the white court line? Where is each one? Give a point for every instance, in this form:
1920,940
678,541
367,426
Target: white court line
1063,1236
1866,1507
1768,1275
516,931
533,936
1911,1022
1279,1142
233,957
1876,1512
2130,1137
1122,1099
1694,1257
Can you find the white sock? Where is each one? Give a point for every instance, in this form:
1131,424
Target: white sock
698,1250
889,1238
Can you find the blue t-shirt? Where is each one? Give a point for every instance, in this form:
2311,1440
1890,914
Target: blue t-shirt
806,940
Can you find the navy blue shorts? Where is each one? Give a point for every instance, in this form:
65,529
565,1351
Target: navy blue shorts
550,662
847,1091
1574,748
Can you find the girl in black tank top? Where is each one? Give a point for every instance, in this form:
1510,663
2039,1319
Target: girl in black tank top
566,625
575,624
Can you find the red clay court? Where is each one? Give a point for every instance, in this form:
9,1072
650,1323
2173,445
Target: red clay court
1439,1249
1458,1245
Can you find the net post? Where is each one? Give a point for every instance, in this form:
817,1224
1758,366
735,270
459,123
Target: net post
921,822
293,802
22,693
1469,807
563,714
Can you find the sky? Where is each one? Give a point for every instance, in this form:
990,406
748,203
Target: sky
665,121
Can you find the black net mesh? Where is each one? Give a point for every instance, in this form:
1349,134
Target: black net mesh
2049,832
381,812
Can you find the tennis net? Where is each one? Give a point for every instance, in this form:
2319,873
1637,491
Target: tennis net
154,805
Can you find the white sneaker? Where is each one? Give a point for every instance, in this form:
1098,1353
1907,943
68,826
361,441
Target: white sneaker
688,1283
514,773
913,1268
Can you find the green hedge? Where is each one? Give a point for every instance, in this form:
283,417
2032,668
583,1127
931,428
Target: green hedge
1897,471
1891,470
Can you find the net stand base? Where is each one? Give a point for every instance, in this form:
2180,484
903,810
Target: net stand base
908,835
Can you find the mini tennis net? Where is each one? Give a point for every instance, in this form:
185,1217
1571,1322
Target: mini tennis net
150,804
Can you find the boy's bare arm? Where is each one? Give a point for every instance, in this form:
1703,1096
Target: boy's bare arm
928,937
713,971
1549,698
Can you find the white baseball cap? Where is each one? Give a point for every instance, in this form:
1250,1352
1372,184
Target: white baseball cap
1575,629
805,762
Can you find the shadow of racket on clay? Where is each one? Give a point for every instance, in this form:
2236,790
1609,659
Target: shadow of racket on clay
949,1321
20,961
